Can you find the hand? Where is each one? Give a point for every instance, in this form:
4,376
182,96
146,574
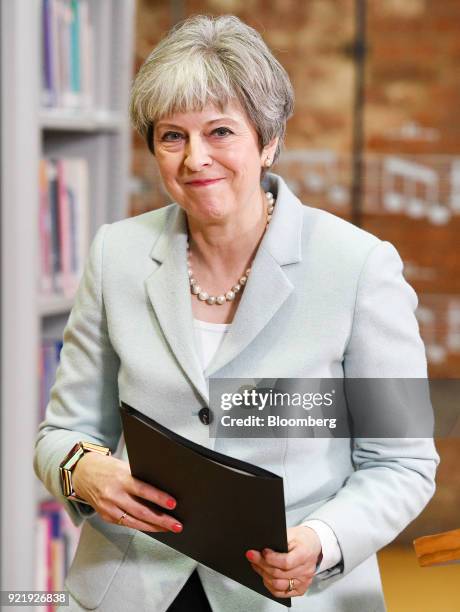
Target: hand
299,563
106,483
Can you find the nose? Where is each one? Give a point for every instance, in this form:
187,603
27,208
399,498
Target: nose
196,154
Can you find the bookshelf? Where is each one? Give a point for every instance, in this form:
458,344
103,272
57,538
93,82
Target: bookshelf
101,135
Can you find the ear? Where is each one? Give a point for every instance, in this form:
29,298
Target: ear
268,152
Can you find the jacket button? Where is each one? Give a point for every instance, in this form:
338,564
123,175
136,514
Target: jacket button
205,416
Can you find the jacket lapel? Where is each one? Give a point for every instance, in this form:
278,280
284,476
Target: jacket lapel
268,287
169,293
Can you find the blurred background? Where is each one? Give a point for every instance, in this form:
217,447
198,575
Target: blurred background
375,139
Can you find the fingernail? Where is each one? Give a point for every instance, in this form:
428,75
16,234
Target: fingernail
177,527
250,555
171,503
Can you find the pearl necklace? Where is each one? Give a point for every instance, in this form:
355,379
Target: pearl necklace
230,295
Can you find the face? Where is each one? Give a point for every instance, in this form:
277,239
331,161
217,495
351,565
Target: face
210,162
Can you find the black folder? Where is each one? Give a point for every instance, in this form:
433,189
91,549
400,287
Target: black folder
227,506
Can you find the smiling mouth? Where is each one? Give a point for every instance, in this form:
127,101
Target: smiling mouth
204,182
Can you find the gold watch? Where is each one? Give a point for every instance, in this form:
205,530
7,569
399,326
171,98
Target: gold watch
68,465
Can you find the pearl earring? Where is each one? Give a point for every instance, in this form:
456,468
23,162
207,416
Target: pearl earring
268,162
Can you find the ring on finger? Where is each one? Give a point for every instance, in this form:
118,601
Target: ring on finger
122,517
291,585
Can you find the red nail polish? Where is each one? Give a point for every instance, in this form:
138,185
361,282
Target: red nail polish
250,555
171,503
177,527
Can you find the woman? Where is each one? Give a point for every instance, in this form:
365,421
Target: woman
236,279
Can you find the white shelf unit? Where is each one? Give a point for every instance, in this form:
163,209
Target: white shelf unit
28,132
83,121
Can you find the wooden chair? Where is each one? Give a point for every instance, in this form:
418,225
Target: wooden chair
438,549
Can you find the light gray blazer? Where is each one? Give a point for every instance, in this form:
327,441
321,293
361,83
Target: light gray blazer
324,299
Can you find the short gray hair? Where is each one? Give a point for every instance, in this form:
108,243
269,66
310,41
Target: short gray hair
213,60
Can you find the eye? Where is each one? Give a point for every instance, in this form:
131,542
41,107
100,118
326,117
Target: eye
171,136
222,131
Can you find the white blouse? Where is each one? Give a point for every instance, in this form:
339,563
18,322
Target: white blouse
208,338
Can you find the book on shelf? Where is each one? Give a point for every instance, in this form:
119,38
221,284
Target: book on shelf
56,540
48,363
67,54
63,224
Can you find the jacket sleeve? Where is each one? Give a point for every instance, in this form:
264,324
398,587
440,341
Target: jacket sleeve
84,399
394,478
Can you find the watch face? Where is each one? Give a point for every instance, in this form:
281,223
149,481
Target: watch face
66,467
75,448
66,482
72,461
